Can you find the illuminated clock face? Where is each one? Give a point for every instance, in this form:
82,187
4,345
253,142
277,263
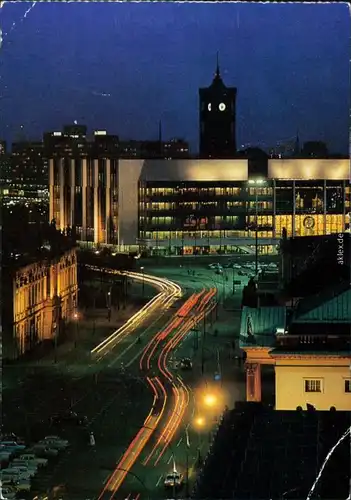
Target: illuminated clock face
308,222
209,107
222,106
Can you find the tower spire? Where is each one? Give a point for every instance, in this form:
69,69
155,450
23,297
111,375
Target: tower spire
218,75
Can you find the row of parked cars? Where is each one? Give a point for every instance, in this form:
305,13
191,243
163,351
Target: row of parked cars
20,463
245,268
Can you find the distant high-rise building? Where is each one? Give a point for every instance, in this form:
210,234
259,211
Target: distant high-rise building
71,142
28,164
3,148
172,149
217,119
105,144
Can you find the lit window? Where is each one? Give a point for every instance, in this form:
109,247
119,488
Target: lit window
313,385
348,385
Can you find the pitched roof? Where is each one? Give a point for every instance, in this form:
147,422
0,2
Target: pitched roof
258,325
334,305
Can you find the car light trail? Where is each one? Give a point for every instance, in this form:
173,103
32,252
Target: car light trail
194,309
138,443
168,294
182,396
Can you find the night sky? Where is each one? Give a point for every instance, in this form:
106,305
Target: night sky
123,67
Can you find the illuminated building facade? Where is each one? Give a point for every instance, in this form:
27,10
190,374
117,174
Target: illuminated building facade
198,206
203,215
310,352
44,294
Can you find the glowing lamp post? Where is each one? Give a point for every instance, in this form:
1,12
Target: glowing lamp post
210,400
76,318
142,270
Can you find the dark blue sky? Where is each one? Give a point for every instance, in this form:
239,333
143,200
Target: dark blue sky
290,64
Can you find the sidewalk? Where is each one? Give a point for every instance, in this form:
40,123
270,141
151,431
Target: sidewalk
72,354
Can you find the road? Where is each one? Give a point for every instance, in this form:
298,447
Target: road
138,404
172,439
101,392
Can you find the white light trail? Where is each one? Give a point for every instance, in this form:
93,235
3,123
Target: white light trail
14,24
344,436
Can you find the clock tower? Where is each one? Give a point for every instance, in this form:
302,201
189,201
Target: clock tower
217,119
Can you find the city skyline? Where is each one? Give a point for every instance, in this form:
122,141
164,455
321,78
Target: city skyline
303,86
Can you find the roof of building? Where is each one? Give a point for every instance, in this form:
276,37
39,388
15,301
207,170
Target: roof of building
194,170
331,305
258,325
309,169
312,352
262,453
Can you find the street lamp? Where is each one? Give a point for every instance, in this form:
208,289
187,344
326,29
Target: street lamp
75,316
256,183
142,270
210,400
199,425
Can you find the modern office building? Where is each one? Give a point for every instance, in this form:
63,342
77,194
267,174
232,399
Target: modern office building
217,116
198,206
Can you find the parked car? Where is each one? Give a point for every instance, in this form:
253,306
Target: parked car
23,469
31,457
215,265
69,417
12,437
13,474
5,455
174,479
32,466
18,484
52,442
8,492
42,451
12,445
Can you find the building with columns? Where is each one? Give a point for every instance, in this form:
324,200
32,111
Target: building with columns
309,347
39,296
198,206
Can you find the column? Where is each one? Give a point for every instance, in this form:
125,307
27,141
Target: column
51,190
324,207
62,222
274,209
253,382
343,206
294,209
84,198
96,202
108,221
71,215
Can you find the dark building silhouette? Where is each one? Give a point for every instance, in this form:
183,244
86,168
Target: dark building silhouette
217,119
315,149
